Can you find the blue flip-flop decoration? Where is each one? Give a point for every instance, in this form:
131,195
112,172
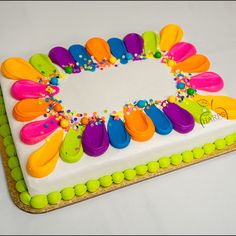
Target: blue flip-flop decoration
162,123
82,57
118,49
118,136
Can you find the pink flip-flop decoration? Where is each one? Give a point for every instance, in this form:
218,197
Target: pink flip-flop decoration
37,131
22,89
207,81
181,51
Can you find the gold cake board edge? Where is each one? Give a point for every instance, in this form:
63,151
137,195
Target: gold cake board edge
15,195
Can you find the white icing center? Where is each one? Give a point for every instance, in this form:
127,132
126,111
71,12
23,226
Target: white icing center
113,87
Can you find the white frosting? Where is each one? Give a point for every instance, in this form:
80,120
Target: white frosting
111,89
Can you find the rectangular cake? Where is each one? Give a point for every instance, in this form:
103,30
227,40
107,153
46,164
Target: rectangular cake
90,117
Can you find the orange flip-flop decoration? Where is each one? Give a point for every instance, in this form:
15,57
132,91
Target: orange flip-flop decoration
194,64
138,125
169,36
223,105
99,49
17,69
43,161
29,109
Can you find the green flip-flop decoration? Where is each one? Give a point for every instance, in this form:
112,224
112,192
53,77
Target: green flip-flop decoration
201,114
151,42
71,149
44,65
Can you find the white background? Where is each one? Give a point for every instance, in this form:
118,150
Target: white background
197,200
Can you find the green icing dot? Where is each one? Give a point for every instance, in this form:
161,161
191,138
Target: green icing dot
0,92
187,156
220,144
7,141
157,54
21,186
118,177
54,198
209,148
68,193
3,120
164,162
153,166
5,130
106,181
1,100
198,152
2,109
92,185
13,162
235,137
129,174
39,201
68,69
11,150
141,169
25,198
16,174
176,159
229,139
80,189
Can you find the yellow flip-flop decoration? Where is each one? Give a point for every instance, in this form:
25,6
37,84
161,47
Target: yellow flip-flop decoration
17,69
43,161
223,105
170,35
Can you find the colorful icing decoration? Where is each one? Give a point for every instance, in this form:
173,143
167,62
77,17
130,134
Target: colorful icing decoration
151,42
223,105
62,57
201,114
23,89
134,45
118,49
138,124
82,58
160,120
181,51
207,81
169,36
18,69
30,108
71,149
95,139
43,161
182,120
100,50
194,64
118,136
37,131
44,65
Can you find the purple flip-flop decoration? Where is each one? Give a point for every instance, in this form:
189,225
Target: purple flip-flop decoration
181,51
134,44
207,81
22,89
95,140
62,57
183,122
37,131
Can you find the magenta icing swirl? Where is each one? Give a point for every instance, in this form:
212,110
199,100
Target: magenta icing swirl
22,89
37,131
181,51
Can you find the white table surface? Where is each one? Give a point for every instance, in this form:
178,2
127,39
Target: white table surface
197,200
